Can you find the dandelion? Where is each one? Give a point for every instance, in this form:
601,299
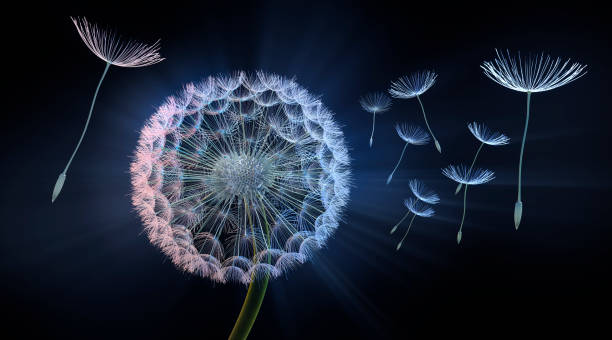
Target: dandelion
417,208
375,103
109,48
251,203
423,193
485,136
533,74
413,86
410,134
461,174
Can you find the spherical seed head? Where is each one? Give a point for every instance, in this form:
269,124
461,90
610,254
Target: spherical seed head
422,192
485,135
376,102
531,74
109,48
462,174
413,85
241,176
412,134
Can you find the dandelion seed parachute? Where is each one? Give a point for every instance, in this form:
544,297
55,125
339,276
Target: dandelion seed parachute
532,74
465,176
375,103
418,208
461,174
410,134
416,84
485,136
423,193
413,86
107,47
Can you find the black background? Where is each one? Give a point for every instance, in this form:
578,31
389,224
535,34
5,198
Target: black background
83,268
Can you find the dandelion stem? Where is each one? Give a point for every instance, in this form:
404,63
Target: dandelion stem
465,195
399,245
471,166
523,147
398,163
255,294
60,182
250,308
464,205
93,102
400,222
518,207
428,128
373,124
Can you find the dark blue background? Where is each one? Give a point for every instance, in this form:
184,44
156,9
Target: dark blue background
83,268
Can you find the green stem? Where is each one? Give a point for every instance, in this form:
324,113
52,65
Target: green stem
373,124
475,156
523,147
398,163
250,308
471,166
428,128
400,222
466,187
93,102
399,245
518,206
463,217
255,295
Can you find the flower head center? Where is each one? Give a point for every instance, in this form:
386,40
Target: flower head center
241,174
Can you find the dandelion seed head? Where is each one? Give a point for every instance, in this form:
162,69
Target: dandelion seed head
240,176
107,46
376,102
412,134
462,174
413,85
422,192
487,136
536,73
418,207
